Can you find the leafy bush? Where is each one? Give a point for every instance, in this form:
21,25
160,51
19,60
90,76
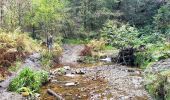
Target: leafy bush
46,59
18,40
153,52
30,79
57,50
142,59
97,45
120,35
162,18
89,60
87,51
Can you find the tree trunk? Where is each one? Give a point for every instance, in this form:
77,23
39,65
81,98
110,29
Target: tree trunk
1,13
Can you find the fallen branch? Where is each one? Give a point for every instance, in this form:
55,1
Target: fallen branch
51,92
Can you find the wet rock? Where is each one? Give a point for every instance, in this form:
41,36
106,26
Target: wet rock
58,71
70,75
67,67
71,84
37,95
159,66
54,81
35,57
108,59
78,71
124,98
130,70
5,95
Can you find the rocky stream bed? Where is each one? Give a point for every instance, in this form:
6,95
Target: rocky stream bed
97,82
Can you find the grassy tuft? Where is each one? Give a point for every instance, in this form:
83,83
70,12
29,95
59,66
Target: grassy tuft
29,79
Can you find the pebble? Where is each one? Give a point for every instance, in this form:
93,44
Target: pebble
78,71
70,75
71,84
67,67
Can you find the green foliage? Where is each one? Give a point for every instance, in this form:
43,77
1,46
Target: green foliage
29,79
16,67
158,84
75,41
153,53
89,60
97,45
120,35
18,40
162,19
139,12
142,59
46,59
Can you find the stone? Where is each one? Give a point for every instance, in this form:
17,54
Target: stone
67,67
54,81
25,94
70,75
37,95
71,84
80,72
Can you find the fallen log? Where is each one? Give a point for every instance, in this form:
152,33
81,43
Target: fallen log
51,92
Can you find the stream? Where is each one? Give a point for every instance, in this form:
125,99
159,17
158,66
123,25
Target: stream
96,81
83,81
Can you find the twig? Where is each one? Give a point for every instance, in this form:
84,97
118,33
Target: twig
51,92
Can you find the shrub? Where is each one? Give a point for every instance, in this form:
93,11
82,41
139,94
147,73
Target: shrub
47,57
57,50
142,58
18,40
97,45
30,79
158,85
87,51
162,18
120,35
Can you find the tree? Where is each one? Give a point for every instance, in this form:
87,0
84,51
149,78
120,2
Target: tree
162,18
92,14
1,12
139,12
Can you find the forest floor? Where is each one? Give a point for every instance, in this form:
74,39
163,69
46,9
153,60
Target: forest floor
113,82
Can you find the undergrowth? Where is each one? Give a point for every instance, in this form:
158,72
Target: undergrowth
158,85
18,40
27,78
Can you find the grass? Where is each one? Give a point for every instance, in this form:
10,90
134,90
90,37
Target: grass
16,67
75,41
19,41
46,59
109,47
30,79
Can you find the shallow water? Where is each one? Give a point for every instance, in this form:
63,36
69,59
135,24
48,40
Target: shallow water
85,88
100,82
